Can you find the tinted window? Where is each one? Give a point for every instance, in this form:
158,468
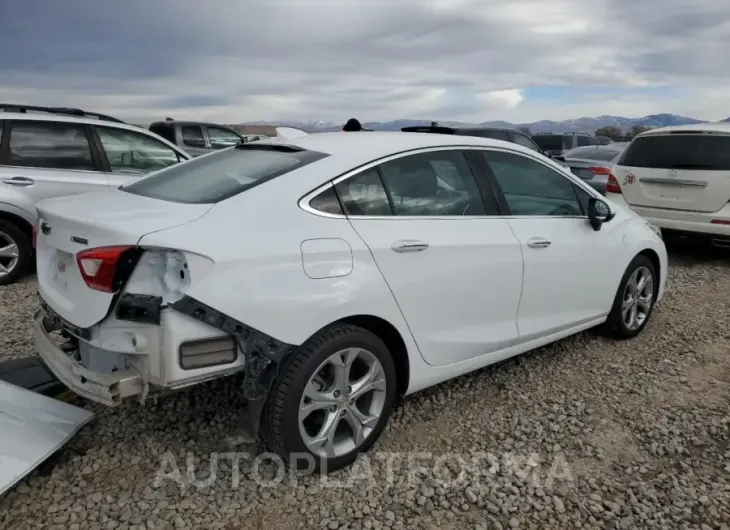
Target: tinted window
593,153
587,140
532,188
192,135
437,183
216,177
327,202
165,131
679,151
364,194
524,141
49,145
222,138
496,135
132,152
549,141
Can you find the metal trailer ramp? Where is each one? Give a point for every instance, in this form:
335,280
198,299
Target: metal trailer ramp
33,425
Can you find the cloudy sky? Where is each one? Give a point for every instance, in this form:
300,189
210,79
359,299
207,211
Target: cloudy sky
470,60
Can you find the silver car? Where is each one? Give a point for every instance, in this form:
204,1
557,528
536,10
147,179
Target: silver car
594,163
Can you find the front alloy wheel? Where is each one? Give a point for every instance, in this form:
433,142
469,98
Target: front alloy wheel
634,301
332,399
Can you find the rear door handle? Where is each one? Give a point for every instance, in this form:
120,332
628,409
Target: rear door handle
409,245
19,181
538,242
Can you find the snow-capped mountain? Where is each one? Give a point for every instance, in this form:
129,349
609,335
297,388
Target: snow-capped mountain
586,124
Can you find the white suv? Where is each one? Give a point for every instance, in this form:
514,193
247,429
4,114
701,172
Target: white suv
49,152
678,178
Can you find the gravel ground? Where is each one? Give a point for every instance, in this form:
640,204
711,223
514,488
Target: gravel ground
585,433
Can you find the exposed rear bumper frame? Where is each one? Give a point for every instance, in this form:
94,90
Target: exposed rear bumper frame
263,355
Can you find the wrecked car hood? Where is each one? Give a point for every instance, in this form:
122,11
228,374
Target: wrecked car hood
32,428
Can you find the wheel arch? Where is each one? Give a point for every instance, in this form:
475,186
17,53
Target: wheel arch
393,339
654,258
20,222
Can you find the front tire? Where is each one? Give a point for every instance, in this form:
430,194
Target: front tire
332,399
16,252
634,301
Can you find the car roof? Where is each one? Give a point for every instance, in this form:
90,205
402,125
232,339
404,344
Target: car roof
719,127
63,118
358,148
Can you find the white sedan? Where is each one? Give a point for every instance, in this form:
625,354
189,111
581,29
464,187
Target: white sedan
337,271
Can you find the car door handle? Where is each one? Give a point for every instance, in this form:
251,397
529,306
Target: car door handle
538,242
409,245
19,181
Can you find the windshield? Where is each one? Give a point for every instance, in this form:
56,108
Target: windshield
679,151
215,177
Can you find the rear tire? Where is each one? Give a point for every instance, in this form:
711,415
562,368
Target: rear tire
343,378
635,299
13,267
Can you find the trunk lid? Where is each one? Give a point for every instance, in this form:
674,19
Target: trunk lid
687,170
70,225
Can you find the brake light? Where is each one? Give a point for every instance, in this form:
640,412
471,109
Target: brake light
34,238
98,266
720,222
612,184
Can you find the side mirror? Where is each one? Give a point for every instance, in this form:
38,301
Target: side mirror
599,212
547,152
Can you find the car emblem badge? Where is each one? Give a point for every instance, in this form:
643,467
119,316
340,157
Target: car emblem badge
630,178
672,174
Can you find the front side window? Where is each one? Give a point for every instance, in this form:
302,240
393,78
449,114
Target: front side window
218,176
134,153
192,135
532,188
438,183
587,140
50,145
222,138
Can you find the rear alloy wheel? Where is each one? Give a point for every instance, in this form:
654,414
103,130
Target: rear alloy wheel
634,300
332,399
15,252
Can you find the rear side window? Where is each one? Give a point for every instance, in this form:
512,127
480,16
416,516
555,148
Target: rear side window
213,178
192,135
165,131
679,151
327,202
49,145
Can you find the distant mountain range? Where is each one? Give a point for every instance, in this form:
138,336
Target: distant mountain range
542,126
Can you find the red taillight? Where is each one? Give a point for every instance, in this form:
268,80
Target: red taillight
612,184
720,222
34,239
98,266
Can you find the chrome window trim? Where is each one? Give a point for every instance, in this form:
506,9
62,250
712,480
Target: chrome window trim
304,201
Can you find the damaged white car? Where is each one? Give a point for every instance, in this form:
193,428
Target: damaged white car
338,271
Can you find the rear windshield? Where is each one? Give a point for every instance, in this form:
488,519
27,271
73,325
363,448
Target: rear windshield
679,151
218,176
550,141
593,153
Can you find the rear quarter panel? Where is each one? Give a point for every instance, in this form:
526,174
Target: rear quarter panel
258,278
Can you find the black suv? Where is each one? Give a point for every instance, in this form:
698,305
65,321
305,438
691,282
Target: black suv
508,135
197,138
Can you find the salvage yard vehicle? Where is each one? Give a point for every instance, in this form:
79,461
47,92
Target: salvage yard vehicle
678,178
197,138
50,152
337,272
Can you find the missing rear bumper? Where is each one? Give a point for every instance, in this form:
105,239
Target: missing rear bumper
263,353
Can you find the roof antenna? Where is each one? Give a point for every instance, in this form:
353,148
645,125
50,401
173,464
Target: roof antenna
434,124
